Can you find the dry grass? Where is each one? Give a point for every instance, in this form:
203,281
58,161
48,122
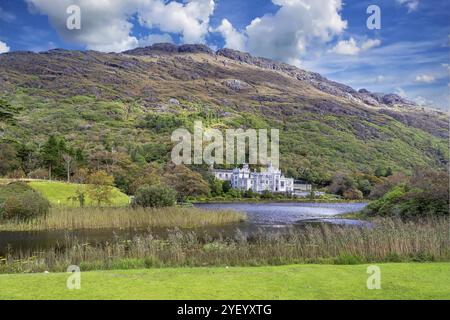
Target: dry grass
123,218
389,240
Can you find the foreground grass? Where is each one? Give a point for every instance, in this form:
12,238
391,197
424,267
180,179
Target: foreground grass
124,218
398,281
58,193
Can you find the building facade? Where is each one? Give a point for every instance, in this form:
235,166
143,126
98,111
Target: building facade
269,179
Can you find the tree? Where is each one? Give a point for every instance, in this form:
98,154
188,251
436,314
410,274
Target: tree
8,159
80,175
249,193
80,197
100,187
155,196
216,186
186,182
68,159
266,194
381,171
226,186
7,112
50,154
150,175
341,183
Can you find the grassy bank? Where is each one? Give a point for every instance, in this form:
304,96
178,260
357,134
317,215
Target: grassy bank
124,218
398,281
387,241
58,193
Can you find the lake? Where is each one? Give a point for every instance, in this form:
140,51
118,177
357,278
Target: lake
284,214
266,216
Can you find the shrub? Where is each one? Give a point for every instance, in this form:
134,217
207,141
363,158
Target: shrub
28,205
155,196
353,194
266,194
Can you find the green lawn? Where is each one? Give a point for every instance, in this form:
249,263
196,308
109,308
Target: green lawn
59,192
398,281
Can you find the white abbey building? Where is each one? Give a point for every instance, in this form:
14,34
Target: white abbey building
269,179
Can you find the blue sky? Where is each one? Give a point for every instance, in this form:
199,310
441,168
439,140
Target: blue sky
409,55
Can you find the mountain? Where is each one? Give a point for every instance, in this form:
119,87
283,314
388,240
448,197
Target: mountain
133,100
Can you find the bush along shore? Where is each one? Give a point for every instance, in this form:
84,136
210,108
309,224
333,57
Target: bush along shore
386,240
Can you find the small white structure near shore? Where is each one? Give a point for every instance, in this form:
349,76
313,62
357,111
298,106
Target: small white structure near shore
270,179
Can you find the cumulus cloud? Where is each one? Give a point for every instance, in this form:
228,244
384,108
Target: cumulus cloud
412,5
155,38
286,34
351,48
190,19
233,38
3,47
424,78
106,25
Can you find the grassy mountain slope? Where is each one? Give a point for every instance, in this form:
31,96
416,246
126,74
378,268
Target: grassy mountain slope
135,99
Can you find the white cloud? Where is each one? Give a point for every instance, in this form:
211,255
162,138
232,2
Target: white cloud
424,78
3,47
155,38
351,48
446,66
400,92
412,5
190,19
233,39
286,34
346,47
380,79
371,43
421,101
106,26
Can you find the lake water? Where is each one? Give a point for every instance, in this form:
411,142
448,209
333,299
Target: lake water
282,214
266,216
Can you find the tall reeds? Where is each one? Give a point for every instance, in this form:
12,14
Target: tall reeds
124,218
387,240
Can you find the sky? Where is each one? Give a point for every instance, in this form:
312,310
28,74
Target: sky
407,54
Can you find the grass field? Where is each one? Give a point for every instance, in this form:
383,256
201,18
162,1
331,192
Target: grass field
58,193
398,281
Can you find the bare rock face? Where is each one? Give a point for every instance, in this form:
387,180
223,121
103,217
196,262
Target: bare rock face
169,48
236,84
194,48
154,49
174,101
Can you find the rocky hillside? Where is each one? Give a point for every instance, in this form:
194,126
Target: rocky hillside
134,99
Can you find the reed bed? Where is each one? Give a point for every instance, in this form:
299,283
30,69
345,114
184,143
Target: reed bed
124,218
388,240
